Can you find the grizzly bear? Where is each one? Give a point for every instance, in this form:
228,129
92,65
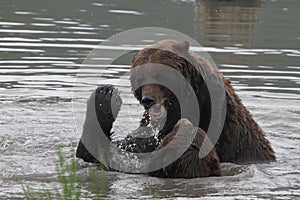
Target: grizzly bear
241,139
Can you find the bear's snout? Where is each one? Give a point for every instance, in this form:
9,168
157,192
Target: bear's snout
148,101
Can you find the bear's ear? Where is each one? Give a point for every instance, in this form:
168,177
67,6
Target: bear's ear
134,53
182,47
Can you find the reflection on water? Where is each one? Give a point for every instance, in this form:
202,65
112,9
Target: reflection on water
43,45
233,28
227,23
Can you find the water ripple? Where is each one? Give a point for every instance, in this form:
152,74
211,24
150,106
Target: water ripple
11,24
129,12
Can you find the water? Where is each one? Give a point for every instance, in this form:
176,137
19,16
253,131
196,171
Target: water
43,44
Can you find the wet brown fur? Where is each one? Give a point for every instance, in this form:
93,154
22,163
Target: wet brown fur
190,164
241,140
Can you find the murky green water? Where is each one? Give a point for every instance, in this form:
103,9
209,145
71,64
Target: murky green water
42,46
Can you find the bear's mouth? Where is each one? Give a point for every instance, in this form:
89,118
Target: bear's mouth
157,112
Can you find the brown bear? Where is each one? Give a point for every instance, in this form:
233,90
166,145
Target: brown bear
241,140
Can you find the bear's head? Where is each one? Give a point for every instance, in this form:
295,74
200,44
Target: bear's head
150,67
